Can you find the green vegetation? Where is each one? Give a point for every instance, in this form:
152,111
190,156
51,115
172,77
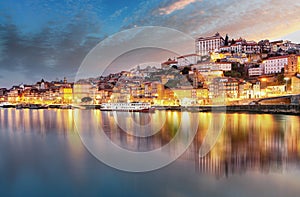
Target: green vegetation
232,74
238,71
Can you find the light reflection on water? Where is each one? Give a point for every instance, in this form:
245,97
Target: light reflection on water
41,153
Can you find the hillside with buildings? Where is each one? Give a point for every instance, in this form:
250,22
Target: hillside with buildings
232,70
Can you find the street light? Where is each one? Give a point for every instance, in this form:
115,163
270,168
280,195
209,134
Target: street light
264,79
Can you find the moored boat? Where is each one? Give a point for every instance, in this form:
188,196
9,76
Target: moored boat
130,107
7,105
65,107
37,106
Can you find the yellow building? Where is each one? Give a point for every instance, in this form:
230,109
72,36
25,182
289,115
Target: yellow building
293,65
66,94
81,90
215,56
298,64
295,85
191,96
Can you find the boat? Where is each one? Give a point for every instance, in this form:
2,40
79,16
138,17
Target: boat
19,106
129,107
7,105
65,107
37,106
22,106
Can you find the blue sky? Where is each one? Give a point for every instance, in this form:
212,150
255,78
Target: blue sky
49,38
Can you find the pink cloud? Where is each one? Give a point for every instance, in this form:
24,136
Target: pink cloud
178,5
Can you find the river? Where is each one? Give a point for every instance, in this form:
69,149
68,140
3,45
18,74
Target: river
50,153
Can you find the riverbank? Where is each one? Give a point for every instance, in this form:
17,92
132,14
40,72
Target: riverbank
272,109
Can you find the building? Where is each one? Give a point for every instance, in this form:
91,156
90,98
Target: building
274,90
265,46
224,66
221,66
3,91
250,47
166,78
298,64
224,87
187,60
3,94
169,63
189,96
275,64
236,48
206,45
81,90
276,45
289,63
244,90
295,84
255,71
66,94
239,58
292,67
242,46
153,90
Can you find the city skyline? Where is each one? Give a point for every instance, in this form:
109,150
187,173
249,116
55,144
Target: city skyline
160,55
149,98
50,40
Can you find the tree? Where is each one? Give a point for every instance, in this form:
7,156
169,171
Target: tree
226,40
175,67
185,70
172,83
232,41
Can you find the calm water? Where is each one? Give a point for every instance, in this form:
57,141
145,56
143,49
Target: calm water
42,154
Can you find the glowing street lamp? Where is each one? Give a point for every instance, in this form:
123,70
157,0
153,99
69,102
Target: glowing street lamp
264,79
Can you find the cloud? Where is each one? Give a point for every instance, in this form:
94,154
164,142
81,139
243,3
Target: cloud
118,12
178,5
49,54
253,20
50,47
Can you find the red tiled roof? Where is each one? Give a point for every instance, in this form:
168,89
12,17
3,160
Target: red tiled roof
170,62
278,57
188,55
223,63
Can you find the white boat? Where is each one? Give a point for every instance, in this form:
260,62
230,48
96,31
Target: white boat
131,107
7,105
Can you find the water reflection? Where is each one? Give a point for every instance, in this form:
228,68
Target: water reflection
248,142
264,142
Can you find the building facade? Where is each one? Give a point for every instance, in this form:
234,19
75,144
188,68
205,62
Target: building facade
206,45
255,71
292,67
275,64
187,60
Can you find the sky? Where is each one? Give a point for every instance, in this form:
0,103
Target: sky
50,38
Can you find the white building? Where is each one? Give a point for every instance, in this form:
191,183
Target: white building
187,60
169,63
206,45
218,66
236,48
224,66
255,71
275,64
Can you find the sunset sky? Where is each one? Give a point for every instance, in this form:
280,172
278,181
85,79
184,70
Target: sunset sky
50,38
